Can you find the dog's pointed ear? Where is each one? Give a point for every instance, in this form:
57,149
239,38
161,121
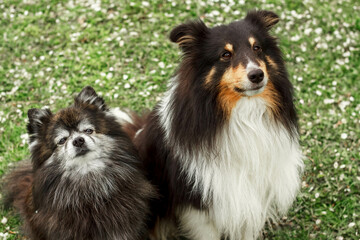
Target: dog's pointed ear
266,19
88,96
189,34
38,118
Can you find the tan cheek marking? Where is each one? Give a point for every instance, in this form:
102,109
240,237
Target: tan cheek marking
272,98
229,47
228,97
251,41
271,62
263,67
209,76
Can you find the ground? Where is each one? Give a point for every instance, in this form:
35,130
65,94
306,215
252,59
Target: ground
49,51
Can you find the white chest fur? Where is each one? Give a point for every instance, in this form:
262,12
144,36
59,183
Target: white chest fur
253,175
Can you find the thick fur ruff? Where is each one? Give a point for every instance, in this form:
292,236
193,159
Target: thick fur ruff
85,180
222,145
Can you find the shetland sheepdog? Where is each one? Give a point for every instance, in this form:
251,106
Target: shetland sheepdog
222,145
84,181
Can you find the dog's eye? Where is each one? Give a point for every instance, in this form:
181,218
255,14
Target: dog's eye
62,141
88,131
226,55
257,48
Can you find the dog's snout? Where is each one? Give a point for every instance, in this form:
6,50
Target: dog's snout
79,141
256,76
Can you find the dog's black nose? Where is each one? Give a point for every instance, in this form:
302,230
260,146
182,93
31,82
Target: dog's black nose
256,75
79,141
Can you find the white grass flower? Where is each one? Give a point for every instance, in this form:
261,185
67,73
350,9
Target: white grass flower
109,75
123,31
4,235
352,224
134,34
346,54
343,105
295,38
307,31
145,4
4,220
328,101
215,13
342,176
161,65
303,47
318,31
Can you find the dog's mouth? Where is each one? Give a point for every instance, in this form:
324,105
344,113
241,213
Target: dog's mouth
82,151
241,90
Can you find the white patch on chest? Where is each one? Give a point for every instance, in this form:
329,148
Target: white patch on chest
253,175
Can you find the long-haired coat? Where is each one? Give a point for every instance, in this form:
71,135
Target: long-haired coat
222,145
85,180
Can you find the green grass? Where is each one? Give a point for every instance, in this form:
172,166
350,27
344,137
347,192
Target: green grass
49,51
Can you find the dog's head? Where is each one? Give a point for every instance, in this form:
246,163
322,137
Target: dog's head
77,137
237,60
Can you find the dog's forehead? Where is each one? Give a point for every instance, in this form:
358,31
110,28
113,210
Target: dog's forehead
237,34
69,118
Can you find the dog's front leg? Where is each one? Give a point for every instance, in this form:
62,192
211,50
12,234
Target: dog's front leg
197,225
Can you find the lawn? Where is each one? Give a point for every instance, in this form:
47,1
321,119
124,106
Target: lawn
49,51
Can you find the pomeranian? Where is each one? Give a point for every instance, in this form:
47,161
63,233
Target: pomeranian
85,180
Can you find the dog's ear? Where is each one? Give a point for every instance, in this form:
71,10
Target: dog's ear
266,19
189,34
38,119
88,96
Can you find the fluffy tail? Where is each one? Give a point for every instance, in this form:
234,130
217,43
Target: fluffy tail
17,187
130,121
